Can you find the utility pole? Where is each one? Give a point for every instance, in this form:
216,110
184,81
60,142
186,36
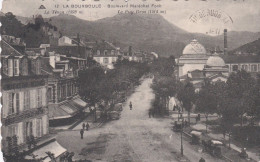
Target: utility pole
181,137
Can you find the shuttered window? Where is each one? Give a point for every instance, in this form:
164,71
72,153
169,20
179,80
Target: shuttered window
10,103
16,67
26,100
39,98
10,67
17,105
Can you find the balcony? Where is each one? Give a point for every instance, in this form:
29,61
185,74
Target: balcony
19,117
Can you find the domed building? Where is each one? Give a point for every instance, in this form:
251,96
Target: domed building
215,65
194,57
197,65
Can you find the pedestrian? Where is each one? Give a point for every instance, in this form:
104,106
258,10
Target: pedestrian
130,105
198,117
83,126
81,133
87,126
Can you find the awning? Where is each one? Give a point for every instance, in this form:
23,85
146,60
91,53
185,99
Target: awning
195,133
53,147
62,111
216,142
80,102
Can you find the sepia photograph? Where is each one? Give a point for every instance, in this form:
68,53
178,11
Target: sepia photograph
130,80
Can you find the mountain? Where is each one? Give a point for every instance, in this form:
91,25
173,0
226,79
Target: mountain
144,32
249,48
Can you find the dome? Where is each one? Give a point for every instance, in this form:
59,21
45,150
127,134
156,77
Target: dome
194,48
215,61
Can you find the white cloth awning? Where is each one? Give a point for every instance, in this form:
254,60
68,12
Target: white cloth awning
80,102
215,142
53,147
195,133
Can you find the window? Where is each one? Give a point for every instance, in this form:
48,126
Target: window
49,94
245,67
112,52
11,103
29,129
16,67
25,67
254,68
98,60
234,67
113,59
98,52
26,100
105,60
38,67
17,104
12,130
14,103
105,52
39,127
39,98
10,67
5,66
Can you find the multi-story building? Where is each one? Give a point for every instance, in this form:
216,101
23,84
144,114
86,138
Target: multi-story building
71,46
105,53
24,115
24,98
64,102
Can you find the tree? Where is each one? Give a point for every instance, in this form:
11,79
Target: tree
186,94
164,88
11,26
240,86
206,101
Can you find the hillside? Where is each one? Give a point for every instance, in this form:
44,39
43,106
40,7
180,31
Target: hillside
144,32
249,48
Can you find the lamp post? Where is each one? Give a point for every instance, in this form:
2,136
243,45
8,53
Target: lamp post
181,136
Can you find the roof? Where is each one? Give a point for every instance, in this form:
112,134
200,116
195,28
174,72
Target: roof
241,59
7,49
46,67
53,147
194,48
215,61
104,45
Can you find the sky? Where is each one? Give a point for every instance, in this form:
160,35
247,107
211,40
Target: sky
236,15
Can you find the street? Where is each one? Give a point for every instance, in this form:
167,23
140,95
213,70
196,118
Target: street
134,137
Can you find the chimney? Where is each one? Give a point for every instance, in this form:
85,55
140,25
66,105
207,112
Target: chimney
225,41
130,50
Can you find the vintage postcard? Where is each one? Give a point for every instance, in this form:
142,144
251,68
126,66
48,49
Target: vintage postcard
130,80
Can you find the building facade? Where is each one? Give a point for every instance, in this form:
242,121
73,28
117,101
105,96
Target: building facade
24,112
106,54
64,102
196,64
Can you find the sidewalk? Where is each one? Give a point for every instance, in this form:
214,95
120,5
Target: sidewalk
201,126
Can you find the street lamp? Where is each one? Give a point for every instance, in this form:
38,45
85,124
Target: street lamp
181,135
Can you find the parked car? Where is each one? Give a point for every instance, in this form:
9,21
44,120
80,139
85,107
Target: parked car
113,115
195,137
213,147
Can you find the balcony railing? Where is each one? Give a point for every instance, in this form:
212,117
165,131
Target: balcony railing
18,117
